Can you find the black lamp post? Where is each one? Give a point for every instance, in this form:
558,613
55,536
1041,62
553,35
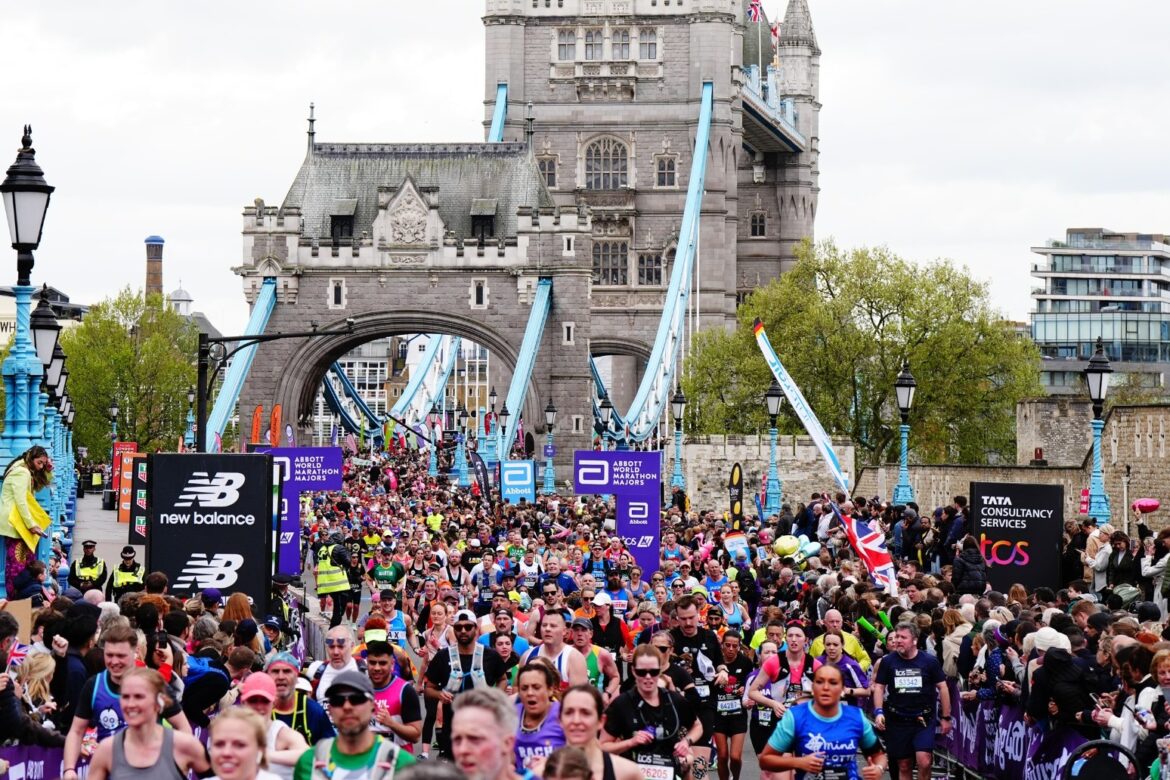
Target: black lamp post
550,421
1097,373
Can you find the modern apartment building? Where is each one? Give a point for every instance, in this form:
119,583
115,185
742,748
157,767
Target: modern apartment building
1098,283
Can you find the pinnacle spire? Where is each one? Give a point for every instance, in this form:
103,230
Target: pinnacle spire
797,28
312,132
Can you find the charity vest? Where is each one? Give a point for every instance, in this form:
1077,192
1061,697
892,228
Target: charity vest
593,668
331,578
107,709
396,630
123,578
389,699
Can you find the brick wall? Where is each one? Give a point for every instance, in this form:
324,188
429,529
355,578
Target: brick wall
1058,426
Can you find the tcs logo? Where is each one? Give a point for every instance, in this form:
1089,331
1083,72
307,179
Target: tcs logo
1004,553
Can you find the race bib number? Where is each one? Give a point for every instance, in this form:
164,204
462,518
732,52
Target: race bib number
703,690
764,716
908,680
830,773
728,705
654,767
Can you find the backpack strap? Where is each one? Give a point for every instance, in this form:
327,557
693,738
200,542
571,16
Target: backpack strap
385,761
321,757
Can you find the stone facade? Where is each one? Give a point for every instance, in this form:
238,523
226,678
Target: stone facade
1058,427
1133,443
707,462
627,74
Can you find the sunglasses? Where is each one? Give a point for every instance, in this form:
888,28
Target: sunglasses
647,672
464,627
355,699
665,648
336,642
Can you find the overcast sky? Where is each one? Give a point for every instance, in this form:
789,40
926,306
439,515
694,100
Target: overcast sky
963,130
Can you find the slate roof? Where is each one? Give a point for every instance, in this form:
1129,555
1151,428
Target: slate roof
797,26
336,173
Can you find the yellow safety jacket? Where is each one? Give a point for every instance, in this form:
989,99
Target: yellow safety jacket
331,578
123,578
91,573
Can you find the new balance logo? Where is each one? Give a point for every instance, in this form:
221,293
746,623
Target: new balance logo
286,537
219,491
219,571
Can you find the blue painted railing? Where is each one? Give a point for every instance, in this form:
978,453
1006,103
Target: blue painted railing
237,372
496,134
526,361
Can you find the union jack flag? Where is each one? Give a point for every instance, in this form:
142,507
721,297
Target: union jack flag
754,11
17,655
870,546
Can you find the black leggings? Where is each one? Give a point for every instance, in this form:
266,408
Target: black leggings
428,729
759,735
340,599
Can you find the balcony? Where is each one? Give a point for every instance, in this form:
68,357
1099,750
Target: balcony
1147,245
769,120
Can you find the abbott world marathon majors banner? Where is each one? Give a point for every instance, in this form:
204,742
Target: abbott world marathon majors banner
634,480
1019,528
211,523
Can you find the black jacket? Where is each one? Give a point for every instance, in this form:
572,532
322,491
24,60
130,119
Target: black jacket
970,573
1122,569
1063,679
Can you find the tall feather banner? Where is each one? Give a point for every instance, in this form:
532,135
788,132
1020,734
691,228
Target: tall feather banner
274,427
257,416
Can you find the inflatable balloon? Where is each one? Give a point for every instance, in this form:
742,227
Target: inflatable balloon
864,623
786,545
1147,505
803,539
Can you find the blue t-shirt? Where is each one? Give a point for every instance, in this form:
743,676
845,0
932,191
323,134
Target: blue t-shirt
803,732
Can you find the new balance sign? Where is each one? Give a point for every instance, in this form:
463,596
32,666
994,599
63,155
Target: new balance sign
220,490
211,523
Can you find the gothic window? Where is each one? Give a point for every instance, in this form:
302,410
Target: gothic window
650,269
337,294
620,45
648,43
566,45
606,165
548,171
759,225
665,167
609,263
593,44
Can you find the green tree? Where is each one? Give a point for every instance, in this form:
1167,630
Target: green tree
136,350
842,322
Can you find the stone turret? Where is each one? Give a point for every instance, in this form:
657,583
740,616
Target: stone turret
800,79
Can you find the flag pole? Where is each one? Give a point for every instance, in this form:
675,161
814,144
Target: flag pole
760,43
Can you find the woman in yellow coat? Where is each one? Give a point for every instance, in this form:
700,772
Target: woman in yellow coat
22,520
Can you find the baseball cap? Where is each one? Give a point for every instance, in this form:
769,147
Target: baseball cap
465,615
211,595
581,622
272,621
258,684
354,680
602,599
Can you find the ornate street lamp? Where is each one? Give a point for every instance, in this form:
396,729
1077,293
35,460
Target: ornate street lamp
550,421
678,405
774,399
503,449
189,434
113,429
461,448
1097,373
904,388
606,412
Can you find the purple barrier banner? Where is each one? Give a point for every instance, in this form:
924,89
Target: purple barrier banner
27,762
993,741
301,469
634,479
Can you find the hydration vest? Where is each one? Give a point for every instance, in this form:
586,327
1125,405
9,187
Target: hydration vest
455,680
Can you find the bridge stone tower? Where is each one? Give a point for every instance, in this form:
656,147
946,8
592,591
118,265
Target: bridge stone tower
420,238
608,93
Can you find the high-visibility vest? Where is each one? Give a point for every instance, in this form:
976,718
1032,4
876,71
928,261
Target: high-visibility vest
123,578
90,573
331,578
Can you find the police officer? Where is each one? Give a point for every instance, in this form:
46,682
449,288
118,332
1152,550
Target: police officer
127,578
332,581
89,571
281,604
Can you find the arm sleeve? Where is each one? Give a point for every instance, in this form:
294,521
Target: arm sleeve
783,739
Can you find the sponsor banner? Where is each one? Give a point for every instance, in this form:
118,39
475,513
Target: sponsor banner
1018,527
116,466
210,523
735,495
481,472
518,481
302,469
634,479
140,508
257,416
125,495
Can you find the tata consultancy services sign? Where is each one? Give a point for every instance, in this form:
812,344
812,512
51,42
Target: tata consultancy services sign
1018,528
211,523
634,479
518,481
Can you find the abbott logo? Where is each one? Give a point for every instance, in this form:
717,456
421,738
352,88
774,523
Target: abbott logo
638,510
219,571
219,491
518,475
593,472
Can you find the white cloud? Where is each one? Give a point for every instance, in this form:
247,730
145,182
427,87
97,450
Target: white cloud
972,131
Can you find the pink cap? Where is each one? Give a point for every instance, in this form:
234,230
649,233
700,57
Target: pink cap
258,684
